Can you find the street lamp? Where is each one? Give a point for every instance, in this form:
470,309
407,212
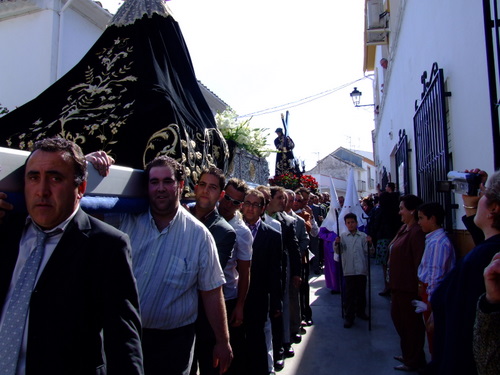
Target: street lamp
356,98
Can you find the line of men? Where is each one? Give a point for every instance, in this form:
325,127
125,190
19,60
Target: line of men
134,304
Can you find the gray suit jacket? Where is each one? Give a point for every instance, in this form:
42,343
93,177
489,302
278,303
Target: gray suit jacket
301,233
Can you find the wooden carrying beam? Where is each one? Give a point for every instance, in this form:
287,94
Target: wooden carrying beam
121,181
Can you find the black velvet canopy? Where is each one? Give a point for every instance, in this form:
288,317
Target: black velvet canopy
134,95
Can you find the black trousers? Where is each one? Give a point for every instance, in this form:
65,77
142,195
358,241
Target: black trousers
355,296
277,333
237,341
168,351
204,346
255,349
410,327
305,307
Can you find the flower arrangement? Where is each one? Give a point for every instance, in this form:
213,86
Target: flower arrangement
309,182
287,180
292,181
254,140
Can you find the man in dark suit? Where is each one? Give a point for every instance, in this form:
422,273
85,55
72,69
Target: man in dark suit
316,244
293,333
79,312
265,293
291,255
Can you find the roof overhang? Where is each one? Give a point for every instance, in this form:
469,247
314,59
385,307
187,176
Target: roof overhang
89,9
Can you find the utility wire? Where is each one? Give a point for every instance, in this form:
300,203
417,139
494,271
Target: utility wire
300,101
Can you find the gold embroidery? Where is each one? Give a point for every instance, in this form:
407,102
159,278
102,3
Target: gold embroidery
93,101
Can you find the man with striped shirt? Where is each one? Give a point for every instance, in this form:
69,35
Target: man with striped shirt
438,258
174,257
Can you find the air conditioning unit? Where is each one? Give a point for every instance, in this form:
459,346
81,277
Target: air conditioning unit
377,22
376,15
376,37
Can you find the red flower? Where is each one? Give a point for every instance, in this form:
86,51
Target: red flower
292,181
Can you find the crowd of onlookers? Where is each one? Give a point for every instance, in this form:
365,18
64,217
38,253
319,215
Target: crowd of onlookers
220,282
433,292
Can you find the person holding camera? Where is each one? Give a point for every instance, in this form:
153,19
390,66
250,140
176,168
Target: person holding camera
454,300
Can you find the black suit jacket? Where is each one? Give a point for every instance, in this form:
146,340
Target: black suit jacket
223,233
264,293
224,236
84,310
290,243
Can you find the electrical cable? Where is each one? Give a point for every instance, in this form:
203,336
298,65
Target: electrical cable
299,102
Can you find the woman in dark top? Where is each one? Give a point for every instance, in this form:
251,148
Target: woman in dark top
455,299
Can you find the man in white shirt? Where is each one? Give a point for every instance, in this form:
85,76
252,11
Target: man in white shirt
237,270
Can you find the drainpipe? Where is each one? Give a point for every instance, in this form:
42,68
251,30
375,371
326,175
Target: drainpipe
60,33
491,28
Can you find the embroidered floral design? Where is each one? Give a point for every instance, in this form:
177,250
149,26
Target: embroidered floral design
93,101
174,141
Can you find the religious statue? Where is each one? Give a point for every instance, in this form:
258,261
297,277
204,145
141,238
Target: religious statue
285,161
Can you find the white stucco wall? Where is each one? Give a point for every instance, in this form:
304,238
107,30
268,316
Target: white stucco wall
40,46
77,37
25,57
449,32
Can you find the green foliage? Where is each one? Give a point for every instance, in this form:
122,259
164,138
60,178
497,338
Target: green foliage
3,110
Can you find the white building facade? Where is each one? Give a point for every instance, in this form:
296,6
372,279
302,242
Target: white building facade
41,41
337,165
422,133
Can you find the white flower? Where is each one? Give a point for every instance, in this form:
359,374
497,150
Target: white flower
245,137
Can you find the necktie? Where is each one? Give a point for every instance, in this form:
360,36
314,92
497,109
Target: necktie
11,335
253,228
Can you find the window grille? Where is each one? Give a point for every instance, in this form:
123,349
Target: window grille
402,164
431,141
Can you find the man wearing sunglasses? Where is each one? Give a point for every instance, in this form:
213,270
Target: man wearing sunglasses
237,270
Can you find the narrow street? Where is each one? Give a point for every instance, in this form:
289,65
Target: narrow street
328,348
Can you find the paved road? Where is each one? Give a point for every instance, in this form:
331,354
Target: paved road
330,349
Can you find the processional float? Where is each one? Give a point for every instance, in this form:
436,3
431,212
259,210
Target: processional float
134,95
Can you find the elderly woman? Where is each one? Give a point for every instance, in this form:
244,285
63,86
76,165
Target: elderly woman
406,250
487,327
455,299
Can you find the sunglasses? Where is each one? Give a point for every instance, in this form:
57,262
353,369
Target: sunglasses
235,202
254,205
